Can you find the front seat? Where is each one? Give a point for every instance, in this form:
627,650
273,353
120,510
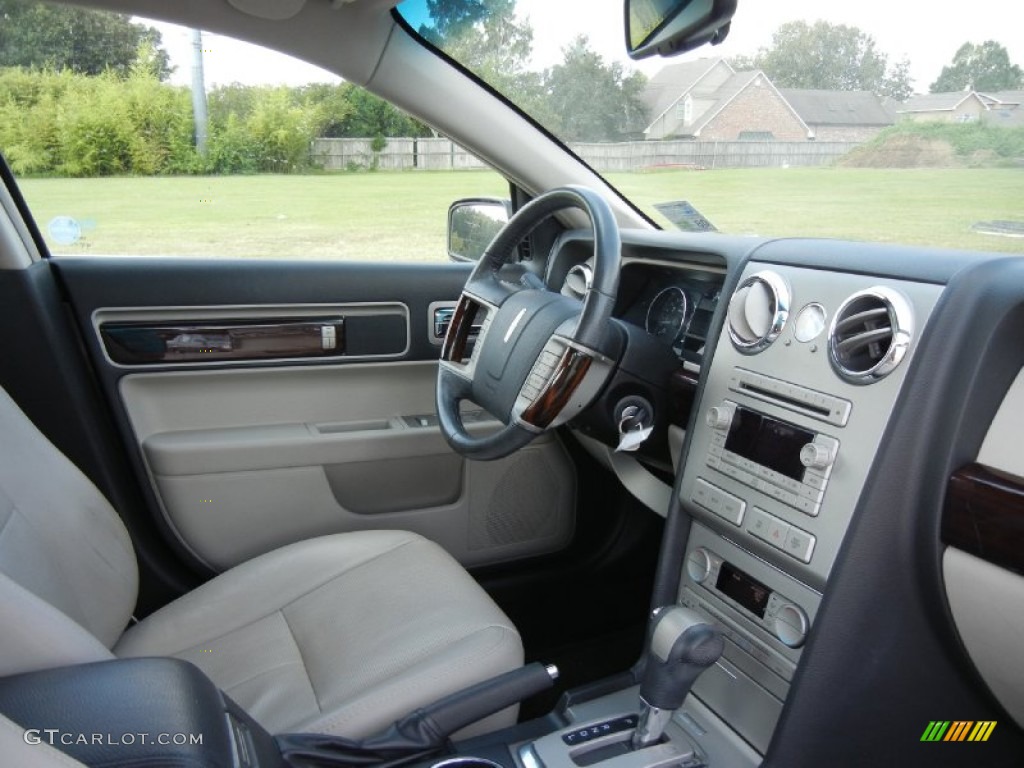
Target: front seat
341,634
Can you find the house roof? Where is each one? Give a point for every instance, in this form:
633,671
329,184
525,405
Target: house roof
817,107
729,90
1005,108
936,102
675,80
1009,98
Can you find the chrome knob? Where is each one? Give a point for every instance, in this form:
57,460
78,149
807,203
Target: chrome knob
815,456
719,417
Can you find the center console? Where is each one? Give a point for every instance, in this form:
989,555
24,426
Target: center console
795,406
796,400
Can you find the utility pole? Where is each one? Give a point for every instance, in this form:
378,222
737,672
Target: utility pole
199,110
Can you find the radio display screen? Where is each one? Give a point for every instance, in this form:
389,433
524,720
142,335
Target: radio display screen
747,591
768,442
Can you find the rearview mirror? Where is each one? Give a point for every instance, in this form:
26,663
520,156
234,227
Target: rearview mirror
473,223
670,27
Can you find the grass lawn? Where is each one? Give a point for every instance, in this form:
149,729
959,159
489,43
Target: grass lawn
402,216
916,206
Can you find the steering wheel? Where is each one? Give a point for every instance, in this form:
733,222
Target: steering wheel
537,360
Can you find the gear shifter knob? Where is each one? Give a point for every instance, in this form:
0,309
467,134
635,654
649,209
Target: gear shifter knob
682,646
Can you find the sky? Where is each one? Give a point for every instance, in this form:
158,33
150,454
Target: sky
928,33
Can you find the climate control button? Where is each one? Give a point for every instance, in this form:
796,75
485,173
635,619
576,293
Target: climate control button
698,565
790,625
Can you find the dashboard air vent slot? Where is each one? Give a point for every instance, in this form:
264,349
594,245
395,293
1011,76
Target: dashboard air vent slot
526,249
870,335
758,311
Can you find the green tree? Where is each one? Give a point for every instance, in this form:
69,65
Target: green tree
742,62
372,116
984,67
42,36
897,81
832,57
333,101
488,39
593,100
455,16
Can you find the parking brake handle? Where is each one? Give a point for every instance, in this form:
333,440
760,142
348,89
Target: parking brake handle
424,731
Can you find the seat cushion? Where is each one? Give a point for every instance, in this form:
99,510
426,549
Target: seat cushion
341,634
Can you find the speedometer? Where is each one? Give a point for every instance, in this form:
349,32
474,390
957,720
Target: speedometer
667,313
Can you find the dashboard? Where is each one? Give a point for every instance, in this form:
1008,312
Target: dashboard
673,305
661,290
837,390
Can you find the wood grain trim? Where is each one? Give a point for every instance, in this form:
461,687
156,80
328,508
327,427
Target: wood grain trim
455,341
984,515
149,344
566,380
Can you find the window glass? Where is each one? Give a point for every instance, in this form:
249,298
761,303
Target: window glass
101,120
809,119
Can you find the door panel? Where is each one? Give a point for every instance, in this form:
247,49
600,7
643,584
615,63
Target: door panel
243,455
248,460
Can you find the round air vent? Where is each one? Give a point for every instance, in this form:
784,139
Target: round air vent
870,335
758,312
578,281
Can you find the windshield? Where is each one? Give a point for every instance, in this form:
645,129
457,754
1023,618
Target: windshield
826,120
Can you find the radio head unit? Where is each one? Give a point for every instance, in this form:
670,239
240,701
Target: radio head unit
790,463
768,442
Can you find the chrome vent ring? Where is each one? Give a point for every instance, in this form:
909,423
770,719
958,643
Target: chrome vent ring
870,335
758,311
578,281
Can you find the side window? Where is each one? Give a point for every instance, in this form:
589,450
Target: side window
145,138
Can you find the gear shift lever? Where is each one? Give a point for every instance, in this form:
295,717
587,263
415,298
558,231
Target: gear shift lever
682,646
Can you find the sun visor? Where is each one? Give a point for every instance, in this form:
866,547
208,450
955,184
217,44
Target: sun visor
274,10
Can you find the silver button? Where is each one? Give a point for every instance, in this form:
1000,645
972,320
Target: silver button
758,522
799,544
777,532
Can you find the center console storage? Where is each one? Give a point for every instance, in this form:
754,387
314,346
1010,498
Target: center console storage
165,712
137,712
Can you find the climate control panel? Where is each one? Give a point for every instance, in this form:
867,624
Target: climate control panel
788,436
781,616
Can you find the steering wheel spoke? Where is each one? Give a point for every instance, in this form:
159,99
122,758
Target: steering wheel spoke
555,390
456,340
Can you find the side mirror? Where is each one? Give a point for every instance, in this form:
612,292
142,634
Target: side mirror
670,27
473,223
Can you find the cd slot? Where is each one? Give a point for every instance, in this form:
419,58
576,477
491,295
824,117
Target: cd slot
817,405
765,394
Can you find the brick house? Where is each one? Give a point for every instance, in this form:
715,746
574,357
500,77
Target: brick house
840,115
954,107
707,99
1005,108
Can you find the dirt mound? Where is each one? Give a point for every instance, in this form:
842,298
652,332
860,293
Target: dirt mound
903,151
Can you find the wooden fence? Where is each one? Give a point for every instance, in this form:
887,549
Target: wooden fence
397,155
645,155
442,154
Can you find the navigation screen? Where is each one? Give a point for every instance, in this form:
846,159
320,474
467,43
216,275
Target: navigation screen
751,594
768,442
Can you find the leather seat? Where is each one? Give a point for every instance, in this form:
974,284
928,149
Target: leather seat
341,634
